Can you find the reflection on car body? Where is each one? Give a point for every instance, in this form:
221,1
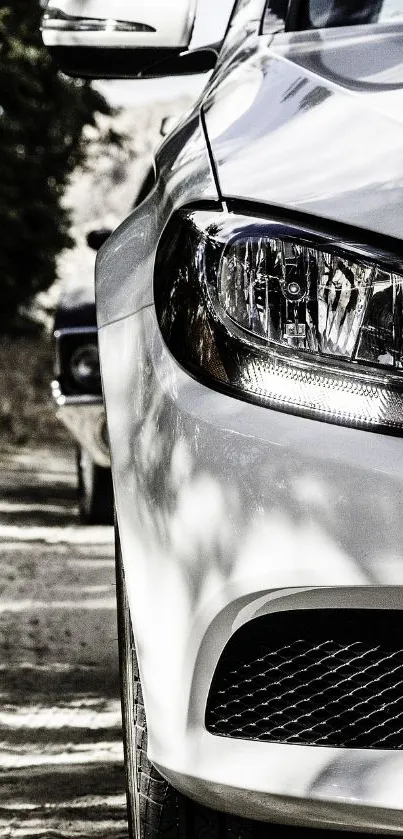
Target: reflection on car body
250,318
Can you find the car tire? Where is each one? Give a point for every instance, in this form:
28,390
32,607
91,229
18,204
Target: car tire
95,490
155,809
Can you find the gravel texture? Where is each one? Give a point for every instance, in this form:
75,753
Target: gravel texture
60,724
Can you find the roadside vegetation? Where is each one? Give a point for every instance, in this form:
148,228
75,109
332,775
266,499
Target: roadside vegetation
43,116
44,121
27,415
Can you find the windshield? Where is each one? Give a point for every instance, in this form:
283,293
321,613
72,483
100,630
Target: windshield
299,15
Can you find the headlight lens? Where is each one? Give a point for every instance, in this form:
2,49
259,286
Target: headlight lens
284,316
309,299
85,368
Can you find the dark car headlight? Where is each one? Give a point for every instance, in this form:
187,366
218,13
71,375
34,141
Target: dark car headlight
85,367
280,315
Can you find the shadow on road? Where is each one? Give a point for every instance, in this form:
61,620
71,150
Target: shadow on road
60,728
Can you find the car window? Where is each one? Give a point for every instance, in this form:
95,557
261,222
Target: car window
300,15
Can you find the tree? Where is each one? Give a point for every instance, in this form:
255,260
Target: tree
42,119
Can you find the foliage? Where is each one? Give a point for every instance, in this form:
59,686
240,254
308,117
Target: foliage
42,119
27,413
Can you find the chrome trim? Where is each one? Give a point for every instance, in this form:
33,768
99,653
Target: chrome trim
57,20
75,330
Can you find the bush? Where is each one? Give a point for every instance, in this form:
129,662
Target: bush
42,119
27,413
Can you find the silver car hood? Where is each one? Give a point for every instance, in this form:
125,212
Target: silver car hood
314,123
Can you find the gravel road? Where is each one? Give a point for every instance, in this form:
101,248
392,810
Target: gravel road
60,738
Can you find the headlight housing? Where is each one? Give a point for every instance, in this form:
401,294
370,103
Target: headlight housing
85,367
283,316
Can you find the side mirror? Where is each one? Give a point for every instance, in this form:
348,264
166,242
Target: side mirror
117,38
96,238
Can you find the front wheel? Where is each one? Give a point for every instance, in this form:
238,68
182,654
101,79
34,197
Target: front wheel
95,491
155,809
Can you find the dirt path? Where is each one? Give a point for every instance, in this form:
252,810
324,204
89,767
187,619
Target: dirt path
61,771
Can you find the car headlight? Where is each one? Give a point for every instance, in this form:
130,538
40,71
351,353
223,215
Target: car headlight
284,316
85,367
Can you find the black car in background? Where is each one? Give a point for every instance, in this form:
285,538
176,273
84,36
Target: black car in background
77,393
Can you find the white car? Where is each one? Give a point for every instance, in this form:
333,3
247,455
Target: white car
250,316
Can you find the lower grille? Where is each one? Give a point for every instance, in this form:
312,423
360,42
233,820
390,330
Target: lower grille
323,678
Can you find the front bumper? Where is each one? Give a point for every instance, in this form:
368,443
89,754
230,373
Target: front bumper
227,511
84,417
308,787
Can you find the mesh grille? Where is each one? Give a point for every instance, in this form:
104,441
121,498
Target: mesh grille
328,678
